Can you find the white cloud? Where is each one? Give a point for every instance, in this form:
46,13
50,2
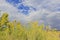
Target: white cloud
12,11
43,15
48,12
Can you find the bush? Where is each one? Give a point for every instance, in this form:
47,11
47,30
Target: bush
15,31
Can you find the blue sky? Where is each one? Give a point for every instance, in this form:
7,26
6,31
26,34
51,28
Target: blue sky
14,1
25,9
43,11
21,7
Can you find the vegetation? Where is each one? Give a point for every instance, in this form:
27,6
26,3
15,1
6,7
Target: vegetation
16,31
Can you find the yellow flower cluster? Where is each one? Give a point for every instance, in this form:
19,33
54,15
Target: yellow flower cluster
16,31
3,19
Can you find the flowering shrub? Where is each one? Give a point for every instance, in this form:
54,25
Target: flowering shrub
16,31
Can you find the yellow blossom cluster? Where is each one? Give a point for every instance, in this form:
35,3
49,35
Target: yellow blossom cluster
13,30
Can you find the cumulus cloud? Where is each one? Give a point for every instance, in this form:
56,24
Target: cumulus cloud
47,12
